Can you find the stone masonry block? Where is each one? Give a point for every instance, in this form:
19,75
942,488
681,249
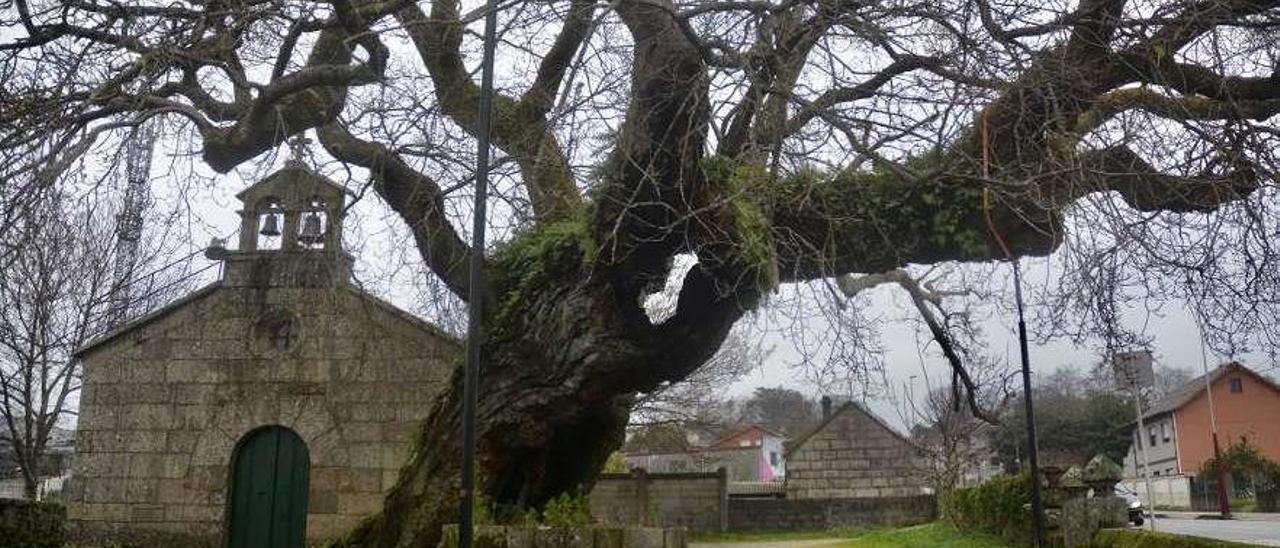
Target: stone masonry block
142,490
146,416
174,491
359,504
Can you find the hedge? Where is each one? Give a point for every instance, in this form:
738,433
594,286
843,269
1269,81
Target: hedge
31,524
1130,538
997,507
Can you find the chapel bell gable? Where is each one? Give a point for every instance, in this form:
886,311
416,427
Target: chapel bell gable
293,209
290,233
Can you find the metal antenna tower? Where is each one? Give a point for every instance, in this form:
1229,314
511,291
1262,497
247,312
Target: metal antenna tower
137,194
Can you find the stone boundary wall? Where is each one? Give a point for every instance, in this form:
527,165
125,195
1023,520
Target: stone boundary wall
1169,492
763,514
698,502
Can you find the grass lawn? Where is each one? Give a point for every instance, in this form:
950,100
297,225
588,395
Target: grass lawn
932,534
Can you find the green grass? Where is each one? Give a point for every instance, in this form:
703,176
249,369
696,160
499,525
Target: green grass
932,534
777,536
1244,505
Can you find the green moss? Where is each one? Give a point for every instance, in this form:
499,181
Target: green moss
540,257
748,223
877,212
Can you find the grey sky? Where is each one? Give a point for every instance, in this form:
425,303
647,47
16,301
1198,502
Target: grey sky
386,264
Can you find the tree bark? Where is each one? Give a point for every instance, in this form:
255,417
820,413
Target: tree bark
563,359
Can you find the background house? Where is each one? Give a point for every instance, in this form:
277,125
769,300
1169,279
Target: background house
750,453
1177,431
853,454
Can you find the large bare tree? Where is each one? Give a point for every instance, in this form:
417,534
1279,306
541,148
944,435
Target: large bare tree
775,142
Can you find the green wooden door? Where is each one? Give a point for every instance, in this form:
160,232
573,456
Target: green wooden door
269,490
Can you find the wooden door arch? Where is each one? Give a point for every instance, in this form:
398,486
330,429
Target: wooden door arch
267,504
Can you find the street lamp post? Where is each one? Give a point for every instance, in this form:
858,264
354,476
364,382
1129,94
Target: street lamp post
1037,506
475,282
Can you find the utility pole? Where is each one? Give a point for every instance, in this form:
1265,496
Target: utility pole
1142,448
1133,370
1224,503
137,161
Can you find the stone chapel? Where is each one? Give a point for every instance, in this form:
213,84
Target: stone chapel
271,408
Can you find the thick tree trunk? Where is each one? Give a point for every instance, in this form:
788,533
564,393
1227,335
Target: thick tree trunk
30,485
561,362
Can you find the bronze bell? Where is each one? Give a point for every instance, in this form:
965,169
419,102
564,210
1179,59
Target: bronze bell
310,229
270,225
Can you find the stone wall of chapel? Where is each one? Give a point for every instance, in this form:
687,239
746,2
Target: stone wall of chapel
164,405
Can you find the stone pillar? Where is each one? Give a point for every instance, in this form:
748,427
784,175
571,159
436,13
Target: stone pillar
642,494
723,478
1082,515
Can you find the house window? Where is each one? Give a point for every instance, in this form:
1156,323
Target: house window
1164,431
1151,436
1237,385
773,458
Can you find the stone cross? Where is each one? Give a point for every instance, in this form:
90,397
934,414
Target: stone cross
298,146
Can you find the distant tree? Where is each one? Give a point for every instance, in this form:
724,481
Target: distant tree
781,409
1170,378
658,438
947,437
617,464
1072,420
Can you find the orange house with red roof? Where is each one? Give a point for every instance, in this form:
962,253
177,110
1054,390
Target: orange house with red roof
1178,436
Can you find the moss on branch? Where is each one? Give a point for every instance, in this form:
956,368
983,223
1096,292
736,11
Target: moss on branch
875,220
544,256
745,229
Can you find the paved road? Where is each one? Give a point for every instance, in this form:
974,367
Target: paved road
1256,532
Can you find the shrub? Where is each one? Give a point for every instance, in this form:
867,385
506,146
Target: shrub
567,510
31,524
1245,460
997,507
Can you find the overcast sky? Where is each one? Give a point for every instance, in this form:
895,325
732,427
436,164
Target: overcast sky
386,264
